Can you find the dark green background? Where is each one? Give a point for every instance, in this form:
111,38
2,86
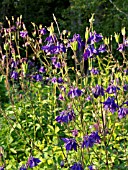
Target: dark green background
71,14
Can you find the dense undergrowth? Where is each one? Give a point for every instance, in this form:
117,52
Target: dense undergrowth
58,115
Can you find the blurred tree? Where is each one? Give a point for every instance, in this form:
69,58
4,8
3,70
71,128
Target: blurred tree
110,16
7,8
39,11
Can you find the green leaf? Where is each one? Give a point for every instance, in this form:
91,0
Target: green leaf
13,150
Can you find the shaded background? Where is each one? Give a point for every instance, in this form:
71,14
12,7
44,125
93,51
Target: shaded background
74,15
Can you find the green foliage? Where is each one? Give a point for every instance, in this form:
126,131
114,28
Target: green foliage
3,93
30,105
110,15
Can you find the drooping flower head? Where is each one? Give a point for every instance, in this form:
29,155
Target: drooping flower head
57,64
126,103
43,31
102,48
1,168
126,71
125,87
70,144
14,75
90,51
126,42
42,69
76,37
98,91
51,39
90,167
121,48
32,162
110,104
53,59
23,167
112,89
94,38
37,77
62,164
90,140
94,71
89,98
14,64
75,132
122,112
54,80
76,166
23,34
61,98
60,80
65,116
74,92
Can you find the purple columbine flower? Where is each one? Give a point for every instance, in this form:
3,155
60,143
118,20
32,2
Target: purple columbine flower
98,91
90,140
46,48
125,87
62,164
126,71
14,75
32,162
61,97
121,48
74,132
57,65
112,89
95,136
30,64
60,48
89,52
49,49
70,144
94,71
38,77
13,64
102,48
60,80
43,31
53,59
65,116
13,29
51,39
93,50
23,167
110,104
76,37
76,166
89,98
90,167
122,112
40,41
94,38
126,103
63,88
23,34
54,80
126,43
74,92
1,168
42,69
